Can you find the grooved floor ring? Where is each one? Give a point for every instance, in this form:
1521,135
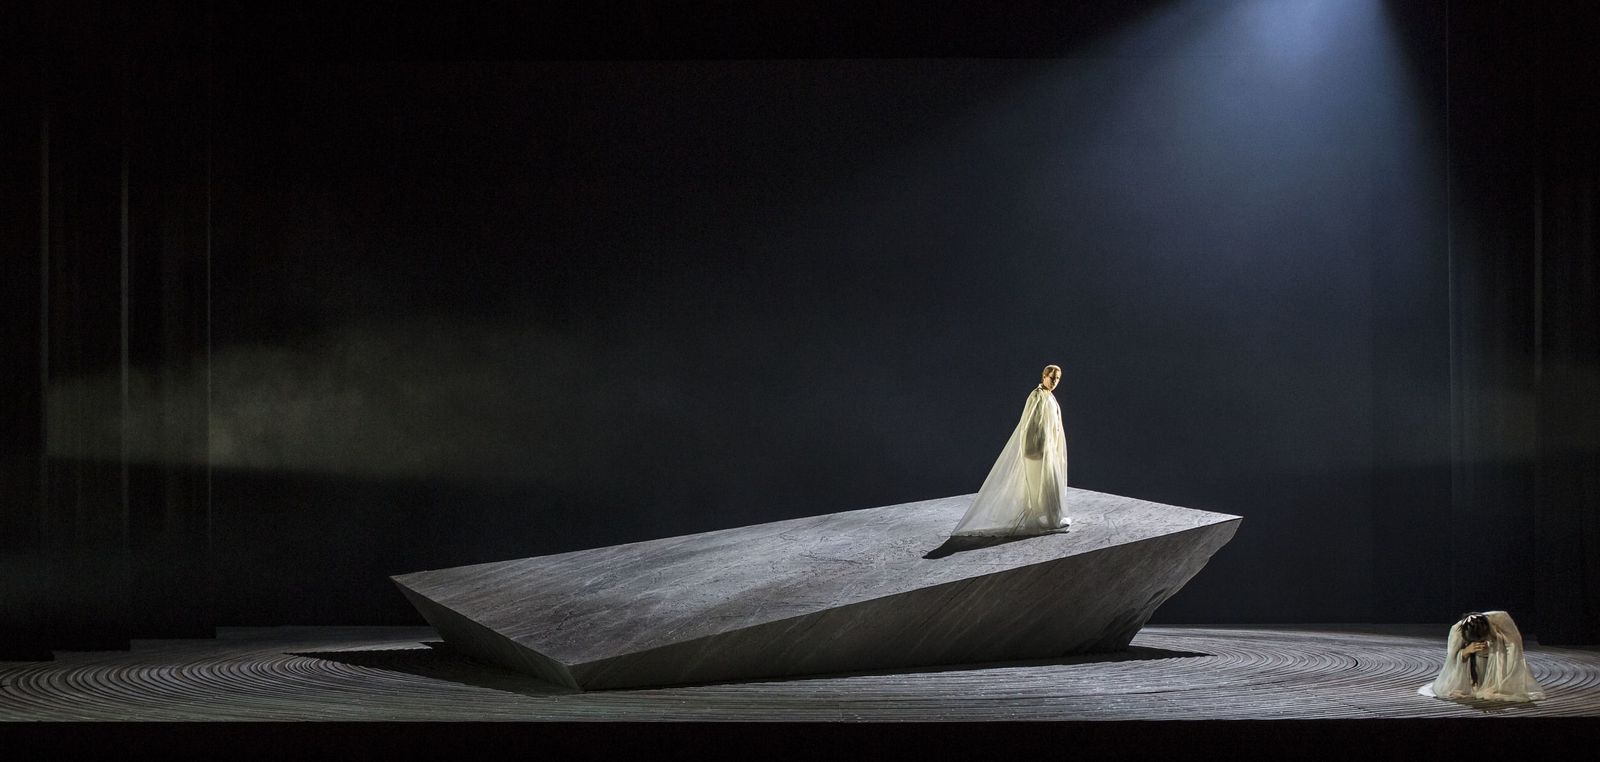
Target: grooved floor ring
393,673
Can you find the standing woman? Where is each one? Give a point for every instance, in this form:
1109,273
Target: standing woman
1484,660
1023,493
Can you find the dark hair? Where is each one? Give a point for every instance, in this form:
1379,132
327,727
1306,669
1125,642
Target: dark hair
1474,627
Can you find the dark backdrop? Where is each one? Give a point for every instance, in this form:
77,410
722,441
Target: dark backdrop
467,310
489,310
586,303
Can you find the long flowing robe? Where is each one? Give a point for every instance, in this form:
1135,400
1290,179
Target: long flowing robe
1501,668
1023,492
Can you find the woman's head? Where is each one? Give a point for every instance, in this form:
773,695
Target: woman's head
1474,627
1049,377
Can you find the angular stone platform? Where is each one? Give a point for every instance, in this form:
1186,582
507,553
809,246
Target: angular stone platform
854,591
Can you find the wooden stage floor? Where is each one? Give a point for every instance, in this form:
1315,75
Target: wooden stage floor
393,673
1357,676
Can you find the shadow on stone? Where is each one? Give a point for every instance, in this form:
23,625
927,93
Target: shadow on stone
1494,707
956,545
441,662
1132,653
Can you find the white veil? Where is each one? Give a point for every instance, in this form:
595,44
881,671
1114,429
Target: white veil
1502,668
1023,493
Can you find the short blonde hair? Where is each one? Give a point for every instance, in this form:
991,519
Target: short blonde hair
1048,368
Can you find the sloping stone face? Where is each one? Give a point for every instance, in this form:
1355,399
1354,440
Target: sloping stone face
860,590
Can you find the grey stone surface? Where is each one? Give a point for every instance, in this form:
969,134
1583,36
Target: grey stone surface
860,590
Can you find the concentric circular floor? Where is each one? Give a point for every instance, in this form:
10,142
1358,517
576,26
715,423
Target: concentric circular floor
362,674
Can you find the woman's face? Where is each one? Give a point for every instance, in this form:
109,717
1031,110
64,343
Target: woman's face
1051,377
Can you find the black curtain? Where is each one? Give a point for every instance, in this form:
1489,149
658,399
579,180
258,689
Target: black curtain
1524,523
1566,337
106,526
